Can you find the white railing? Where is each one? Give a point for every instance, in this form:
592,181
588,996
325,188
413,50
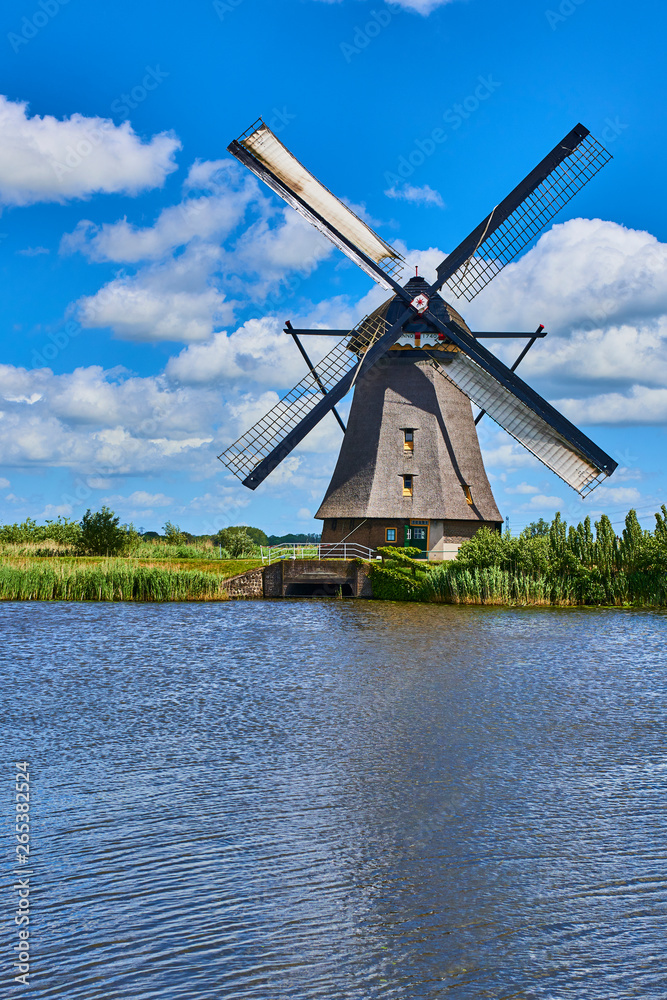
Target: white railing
317,550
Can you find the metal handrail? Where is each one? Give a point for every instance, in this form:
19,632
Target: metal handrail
317,550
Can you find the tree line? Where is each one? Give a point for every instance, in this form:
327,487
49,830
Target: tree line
101,533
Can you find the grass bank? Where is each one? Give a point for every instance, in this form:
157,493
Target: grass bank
54,578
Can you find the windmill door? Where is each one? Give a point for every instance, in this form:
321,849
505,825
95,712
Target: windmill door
416,535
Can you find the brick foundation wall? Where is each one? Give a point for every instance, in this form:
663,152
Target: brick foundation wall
372,532
248,585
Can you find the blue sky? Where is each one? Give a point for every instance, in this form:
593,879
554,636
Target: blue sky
146,277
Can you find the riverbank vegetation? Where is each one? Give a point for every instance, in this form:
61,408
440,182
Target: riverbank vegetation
98,559
100,533
545,565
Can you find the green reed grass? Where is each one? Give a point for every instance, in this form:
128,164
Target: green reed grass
451,584
113,580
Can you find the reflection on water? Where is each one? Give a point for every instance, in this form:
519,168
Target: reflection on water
341,800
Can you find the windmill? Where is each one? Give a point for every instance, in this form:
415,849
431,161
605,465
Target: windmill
410,469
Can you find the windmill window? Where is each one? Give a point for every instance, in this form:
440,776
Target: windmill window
407,486
390,534
468,494
334,524
408,440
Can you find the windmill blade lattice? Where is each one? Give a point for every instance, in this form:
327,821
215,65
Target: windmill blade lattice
256,444
539,437
508,230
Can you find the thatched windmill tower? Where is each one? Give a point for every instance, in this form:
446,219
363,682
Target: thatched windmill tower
410,471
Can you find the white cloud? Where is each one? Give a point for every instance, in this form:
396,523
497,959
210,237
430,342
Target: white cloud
423,195
584,274
4,483
601,291
48,159
53,511
524,488
174,301
205,216
422,6
140,498
500,451
257,352
188,283
270,251
616,494
641,405
542,502
33,251
103,423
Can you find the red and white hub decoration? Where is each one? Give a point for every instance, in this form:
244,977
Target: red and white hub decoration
420,303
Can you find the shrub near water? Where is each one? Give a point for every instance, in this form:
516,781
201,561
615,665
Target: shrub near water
554,565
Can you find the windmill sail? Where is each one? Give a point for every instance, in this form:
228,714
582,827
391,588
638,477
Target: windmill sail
272,162
523,214
566,451
257,444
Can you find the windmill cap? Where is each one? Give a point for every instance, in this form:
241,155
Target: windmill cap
438,306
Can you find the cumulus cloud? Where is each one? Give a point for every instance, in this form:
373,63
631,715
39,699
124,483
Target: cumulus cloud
583,274
205,216
502,452
423,195
44,159
269,250
601,290
175,301
524,488
191,266
542,502
625,495
258,352
104,423
140,498
53,511
641,405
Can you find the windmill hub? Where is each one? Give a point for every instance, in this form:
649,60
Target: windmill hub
416,332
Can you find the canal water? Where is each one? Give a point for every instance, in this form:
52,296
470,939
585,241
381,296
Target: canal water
338,799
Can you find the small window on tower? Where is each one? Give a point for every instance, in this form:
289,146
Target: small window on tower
407,486
466,490
390,534
408,440
334,524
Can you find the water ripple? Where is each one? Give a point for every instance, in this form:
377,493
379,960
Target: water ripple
341,800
